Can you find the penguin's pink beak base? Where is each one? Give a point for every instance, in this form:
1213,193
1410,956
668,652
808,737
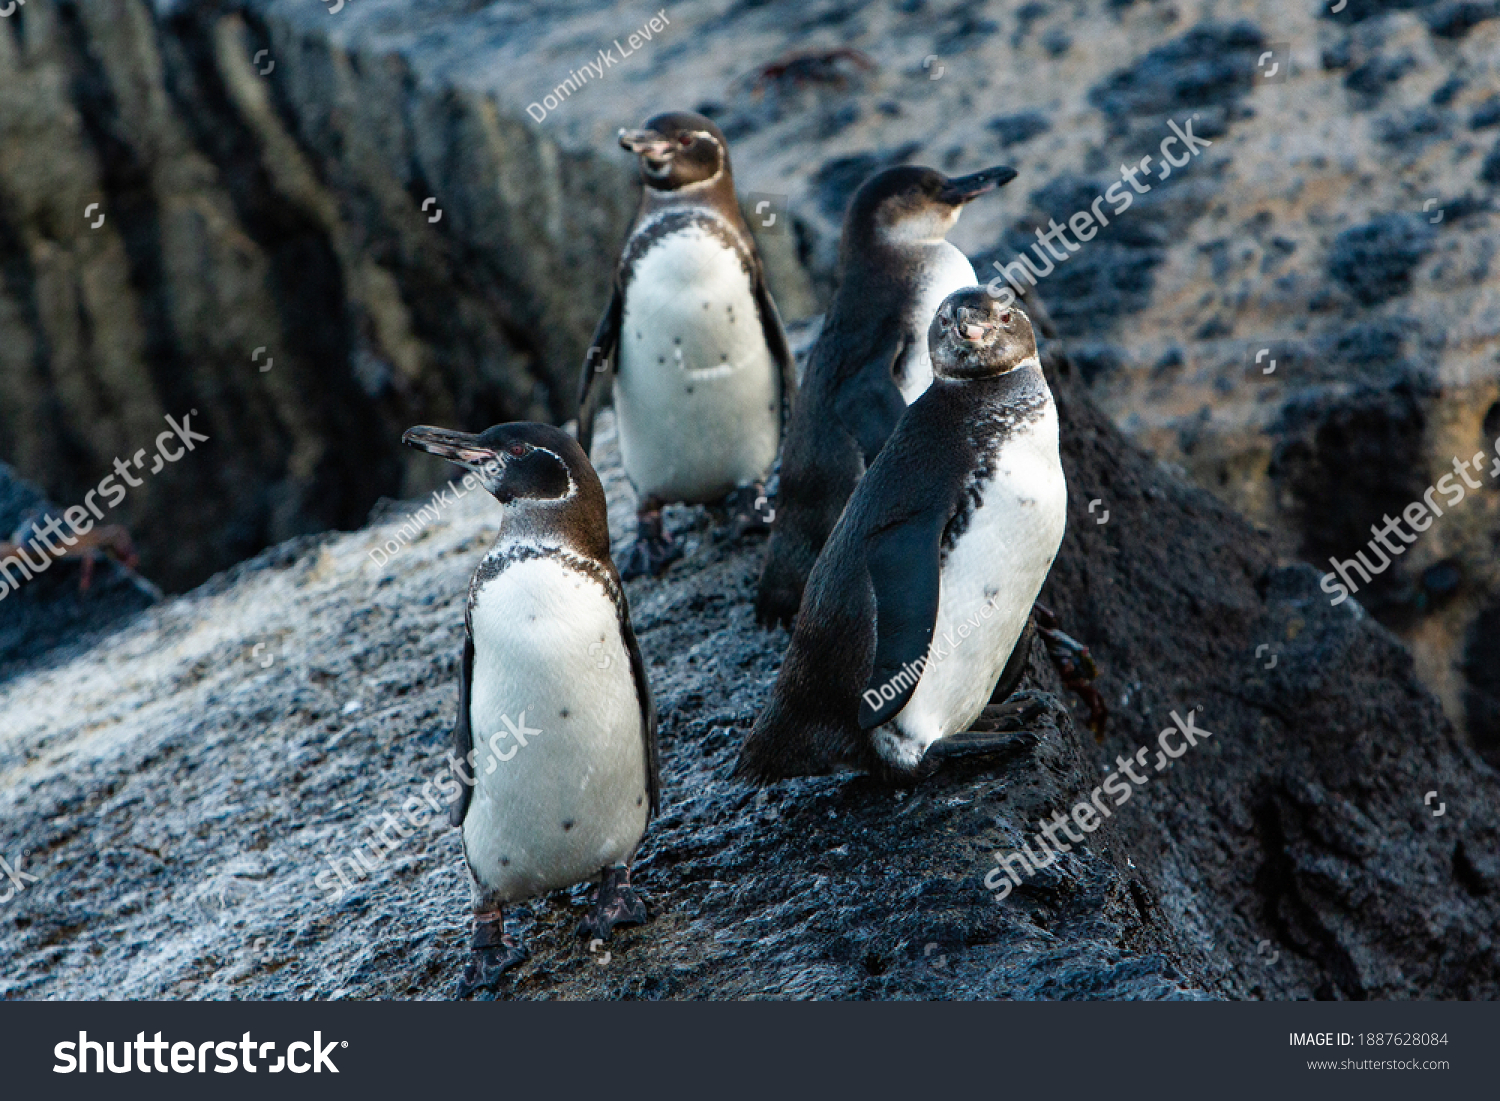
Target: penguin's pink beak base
646,143
456,447
974,327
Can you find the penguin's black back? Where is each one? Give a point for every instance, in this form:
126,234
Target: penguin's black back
846,408
938,454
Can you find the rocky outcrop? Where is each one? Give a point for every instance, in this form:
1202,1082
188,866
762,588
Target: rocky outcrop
180,786
265,168
291,202
191,794
201,210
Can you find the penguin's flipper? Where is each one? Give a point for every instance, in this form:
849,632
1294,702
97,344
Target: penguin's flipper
776,342
463,737
648,707
595,378
871,417
903,561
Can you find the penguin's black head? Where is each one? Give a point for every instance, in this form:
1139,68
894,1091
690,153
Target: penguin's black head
910,204
678,149
974,336
515,462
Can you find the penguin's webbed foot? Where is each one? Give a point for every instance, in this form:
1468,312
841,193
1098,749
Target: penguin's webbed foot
1075,665
649,557
1001,731
617,903
493,953
750,510
1018,712
654,548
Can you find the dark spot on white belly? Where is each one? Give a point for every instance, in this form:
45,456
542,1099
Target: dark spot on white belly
563,714
567,824
505,862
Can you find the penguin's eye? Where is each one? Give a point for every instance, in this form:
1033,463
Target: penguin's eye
685,140
943,320
518,449
1005,318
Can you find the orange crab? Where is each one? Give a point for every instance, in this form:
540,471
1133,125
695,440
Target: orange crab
107,537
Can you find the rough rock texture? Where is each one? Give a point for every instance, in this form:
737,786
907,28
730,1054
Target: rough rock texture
184,796
179,791
290,203
1343,221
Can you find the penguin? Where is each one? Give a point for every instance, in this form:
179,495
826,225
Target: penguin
921,601
555,748
702,372
870,360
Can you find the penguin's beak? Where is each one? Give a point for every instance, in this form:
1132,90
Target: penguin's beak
646,143
962,189
973,326
456,447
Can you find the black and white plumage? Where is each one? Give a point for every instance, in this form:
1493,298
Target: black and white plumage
556,725
923,591
870,360
702,372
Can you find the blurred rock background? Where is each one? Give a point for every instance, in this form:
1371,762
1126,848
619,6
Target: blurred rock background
263,168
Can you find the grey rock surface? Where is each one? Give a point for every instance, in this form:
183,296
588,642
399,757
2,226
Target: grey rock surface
380,197
185,790
180,785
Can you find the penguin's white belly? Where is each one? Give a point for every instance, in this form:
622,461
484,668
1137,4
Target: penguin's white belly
549,657
947,270
988,584
697,394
